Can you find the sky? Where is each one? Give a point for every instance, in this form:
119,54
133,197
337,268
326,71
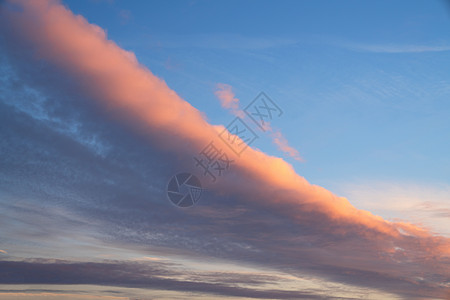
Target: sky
328,122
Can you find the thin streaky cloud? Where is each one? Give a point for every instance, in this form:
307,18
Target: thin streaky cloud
282,144
220,42
148,276
382,47
395,48
425,204
51,295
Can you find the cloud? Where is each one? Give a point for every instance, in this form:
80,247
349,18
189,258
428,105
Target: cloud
228,100
283,145
403,48
47,296
235,42
95,142
124,16
419,203
396,48
140,275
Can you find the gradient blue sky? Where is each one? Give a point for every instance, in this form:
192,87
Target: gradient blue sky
363,84
364,87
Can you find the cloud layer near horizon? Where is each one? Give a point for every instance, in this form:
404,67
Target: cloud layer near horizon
271,215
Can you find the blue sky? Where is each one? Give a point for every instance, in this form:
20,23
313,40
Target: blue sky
364,89
363,84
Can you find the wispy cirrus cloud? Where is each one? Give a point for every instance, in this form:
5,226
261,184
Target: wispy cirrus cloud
393,48
283,145
424,204
220,42
400,48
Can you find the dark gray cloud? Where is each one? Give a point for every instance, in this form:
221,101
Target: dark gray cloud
144,275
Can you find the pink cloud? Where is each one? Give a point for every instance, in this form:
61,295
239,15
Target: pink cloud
283,145
228,100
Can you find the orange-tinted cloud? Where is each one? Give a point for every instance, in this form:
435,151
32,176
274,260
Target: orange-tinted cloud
283,145
228,100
